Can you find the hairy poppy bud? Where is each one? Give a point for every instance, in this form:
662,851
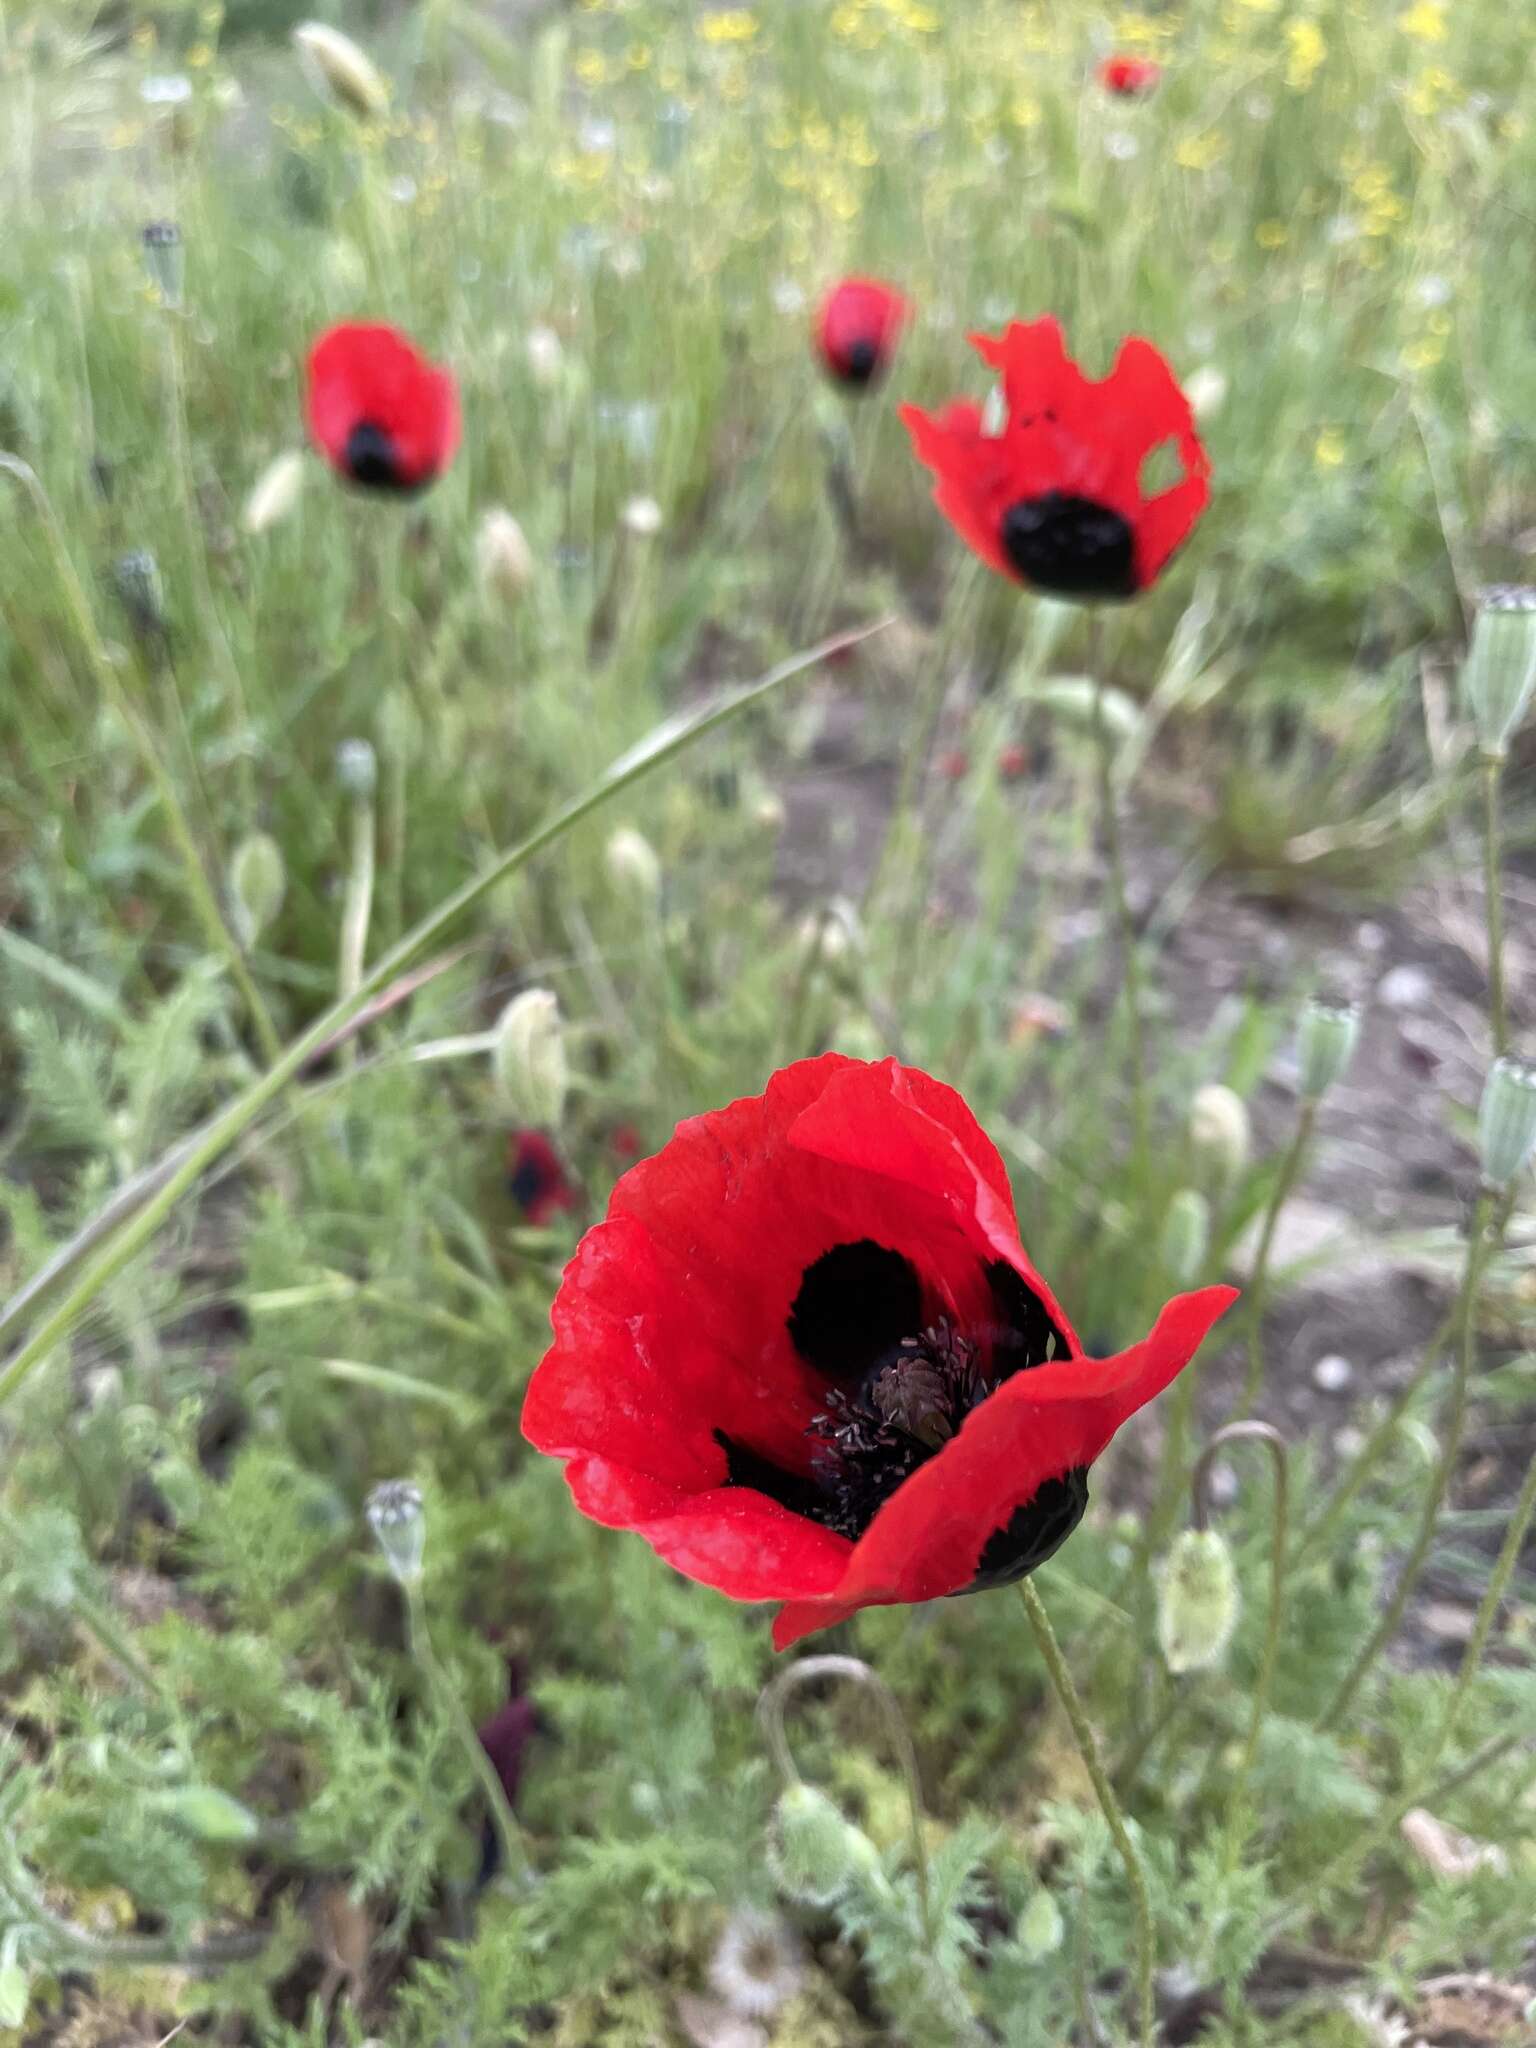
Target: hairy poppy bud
258,882
397,1519
1500,670
1197,1601
1325,1045
632,866
528,1059
1186,1236
1506,1122
357,769
275,492
1041,1927
813,1851
1219,1133
208,1813
164,259
340,71
503,557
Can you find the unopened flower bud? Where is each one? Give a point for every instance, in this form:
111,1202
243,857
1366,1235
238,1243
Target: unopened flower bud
1325,1045
164,259
275,492
340,71
503,557
1219,1133
1500,671
1041,1927
1197,1601
813,1851
528,1060
357,769
397,1519
830,936
258,881
137,578
208,1813
1506,1122
1186,1237
632,865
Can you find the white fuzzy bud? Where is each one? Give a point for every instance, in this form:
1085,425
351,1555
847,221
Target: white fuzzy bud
503,557
275,493
340,71
632,865
1220,1133
1197,1601
528,1059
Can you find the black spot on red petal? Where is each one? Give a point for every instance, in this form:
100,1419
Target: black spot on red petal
1033,1533
1026,1334
370,458
792,1490
1070,545
855,1303
859,363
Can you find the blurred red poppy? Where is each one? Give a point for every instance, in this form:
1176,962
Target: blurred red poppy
1132,78
381,414
536,1178
808,1360
1056,499
858,324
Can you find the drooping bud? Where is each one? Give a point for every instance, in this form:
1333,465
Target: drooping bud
813,1851
398,1520
503,557
1220,1134
1041,1927
1197,1601
1499,675
275,492
633,867
1186,1237
528,1060
258,881
340,71
208,1813
136,576
357,769
165,260
1325,1045
1506,1122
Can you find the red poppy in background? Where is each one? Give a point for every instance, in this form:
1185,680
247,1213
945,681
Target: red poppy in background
858,324
1131,78
1056,499
807,1359
536,1178
380,413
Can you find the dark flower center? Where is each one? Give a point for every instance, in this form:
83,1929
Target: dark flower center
860,361
1070,545
370,458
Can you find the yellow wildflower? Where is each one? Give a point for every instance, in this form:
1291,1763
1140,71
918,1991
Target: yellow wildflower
1424,353
1425,22
1199,152
1307,49
730,25
1271,234
1328,450
591,67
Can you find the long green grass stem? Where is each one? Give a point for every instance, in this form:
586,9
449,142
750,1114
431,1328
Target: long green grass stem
1493,902
357,911
1109,1806
1130,947
1258,1286
200,891
1444,1473
663,744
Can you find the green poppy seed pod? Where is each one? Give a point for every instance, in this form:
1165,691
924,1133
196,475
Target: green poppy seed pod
1325,1045
1041,1927
633,867
357,769
340,71
209,1814
258,881
1186,1237
503,558
1197,1601
1506,1122
528,1059
1499,674
398,1520
165,260
1220,1134
275,493
813,1851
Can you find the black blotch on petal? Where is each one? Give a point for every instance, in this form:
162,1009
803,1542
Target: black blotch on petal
791,1490
861,359
856,1302
1032,1533
529,1178
370,458
1026,1332
1070,545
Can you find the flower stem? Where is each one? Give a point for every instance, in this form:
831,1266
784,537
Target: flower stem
1445,1471
1258,1286
1109,1806
1493,902
357,911
1114,853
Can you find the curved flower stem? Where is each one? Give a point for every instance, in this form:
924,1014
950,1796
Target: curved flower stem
1114,853
1109,1806
1445,1472
1275,1444
770,1714
1258,1286
1493,902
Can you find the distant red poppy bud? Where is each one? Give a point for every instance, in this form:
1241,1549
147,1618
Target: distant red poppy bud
1012,762
536,1178
381,414
953,765
1055,500
625,1142
857,327
1131,78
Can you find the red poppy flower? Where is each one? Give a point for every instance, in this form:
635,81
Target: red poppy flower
1130,77
1013,761
807,1359
536,1178
858,324
1056,499
380,413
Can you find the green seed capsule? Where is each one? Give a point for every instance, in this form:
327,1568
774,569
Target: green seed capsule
1500,671
1506,1122
813,1851
1325,1045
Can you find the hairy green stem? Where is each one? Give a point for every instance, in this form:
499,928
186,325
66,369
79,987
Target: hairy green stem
357,910
1130,947
1258,1286
509,1833
1493,902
